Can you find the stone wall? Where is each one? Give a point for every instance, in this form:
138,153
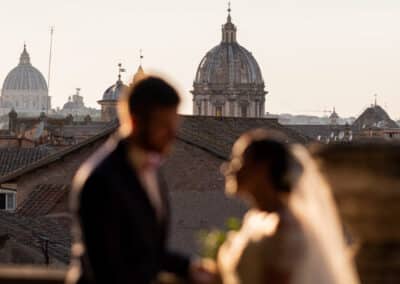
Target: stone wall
366,184
61,171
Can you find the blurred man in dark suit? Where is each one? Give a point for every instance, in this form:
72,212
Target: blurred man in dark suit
119,199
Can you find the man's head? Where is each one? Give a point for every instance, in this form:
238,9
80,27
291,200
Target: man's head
149,114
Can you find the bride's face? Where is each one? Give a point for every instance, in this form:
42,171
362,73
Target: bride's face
253,183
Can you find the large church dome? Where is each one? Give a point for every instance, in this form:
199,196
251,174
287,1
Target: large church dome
25,89
229,62
228,80
24,76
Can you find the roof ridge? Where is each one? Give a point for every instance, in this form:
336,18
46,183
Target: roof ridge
57,155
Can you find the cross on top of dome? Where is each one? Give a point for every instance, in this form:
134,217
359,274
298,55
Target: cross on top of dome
229,11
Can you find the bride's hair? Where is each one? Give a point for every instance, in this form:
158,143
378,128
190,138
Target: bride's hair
273,150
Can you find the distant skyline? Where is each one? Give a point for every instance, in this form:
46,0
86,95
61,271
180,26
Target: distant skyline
313,54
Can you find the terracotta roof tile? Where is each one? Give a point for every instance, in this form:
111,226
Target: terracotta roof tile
42,199
29,231
12,159
217,135
214,134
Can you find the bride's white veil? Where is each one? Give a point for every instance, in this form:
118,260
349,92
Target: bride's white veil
328,259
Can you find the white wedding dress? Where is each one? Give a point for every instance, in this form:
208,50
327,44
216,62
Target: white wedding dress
301,244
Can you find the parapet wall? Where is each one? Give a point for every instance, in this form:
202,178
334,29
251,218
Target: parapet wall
366,184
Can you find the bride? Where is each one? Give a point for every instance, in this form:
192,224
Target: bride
292,234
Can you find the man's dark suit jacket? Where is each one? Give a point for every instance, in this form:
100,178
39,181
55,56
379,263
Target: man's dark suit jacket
123,240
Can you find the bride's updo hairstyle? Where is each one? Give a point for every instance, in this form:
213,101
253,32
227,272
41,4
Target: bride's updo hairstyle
271,148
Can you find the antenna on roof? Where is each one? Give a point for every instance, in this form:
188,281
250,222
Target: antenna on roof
49,71
375,102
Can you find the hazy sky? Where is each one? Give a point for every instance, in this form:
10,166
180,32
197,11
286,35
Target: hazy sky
314,54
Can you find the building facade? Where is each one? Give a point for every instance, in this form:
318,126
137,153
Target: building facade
25,89
228,80
76,107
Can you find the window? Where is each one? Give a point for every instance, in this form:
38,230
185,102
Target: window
231,109
218,111
7,200
244,111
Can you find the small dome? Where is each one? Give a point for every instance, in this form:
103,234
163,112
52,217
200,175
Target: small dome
75,101
374,117
25,76
114,92
69,105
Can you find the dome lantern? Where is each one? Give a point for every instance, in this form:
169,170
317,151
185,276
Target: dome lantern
24,58
229,29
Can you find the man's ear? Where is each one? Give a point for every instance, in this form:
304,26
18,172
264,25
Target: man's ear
133,123
127,125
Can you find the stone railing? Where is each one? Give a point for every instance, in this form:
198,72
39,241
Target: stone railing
31,275
42,275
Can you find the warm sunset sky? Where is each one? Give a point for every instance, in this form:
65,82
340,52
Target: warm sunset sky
314,54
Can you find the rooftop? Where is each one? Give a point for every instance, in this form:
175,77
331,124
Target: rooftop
12,159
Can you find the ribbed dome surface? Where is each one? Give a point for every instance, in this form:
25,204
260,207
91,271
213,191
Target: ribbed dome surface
24,76
229,63
114,92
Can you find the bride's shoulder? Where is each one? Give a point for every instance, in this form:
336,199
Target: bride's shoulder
272,232
263,231
261,224
258,228
265,240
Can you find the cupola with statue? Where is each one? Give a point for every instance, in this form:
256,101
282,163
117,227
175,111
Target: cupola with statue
110,98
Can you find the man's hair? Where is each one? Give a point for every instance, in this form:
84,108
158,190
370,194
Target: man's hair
151,93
